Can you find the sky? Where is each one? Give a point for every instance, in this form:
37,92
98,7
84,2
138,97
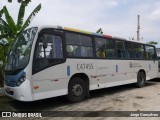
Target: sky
115,17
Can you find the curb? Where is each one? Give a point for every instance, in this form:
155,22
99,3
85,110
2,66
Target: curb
1,90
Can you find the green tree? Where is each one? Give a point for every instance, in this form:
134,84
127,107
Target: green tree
9,29
152,43
99,31
20,1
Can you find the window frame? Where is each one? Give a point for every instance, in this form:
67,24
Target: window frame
92,39
120,49
154,50
55,32
106,48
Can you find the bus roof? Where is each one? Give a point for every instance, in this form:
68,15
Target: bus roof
85,32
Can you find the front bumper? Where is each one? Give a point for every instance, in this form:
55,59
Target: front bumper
21,93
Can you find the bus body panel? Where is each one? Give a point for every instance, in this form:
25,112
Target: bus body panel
50,79
150,67
54,81
22,92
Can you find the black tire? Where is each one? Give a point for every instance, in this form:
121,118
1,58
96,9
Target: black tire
76,90
141,80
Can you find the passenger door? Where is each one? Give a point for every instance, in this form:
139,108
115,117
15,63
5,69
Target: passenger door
48,65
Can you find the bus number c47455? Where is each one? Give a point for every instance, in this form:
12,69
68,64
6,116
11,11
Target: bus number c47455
83,66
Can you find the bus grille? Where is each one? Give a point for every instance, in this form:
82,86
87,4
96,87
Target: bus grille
10,83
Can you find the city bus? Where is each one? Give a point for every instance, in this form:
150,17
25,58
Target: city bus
50,61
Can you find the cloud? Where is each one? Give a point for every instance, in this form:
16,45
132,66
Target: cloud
73,13
155,15
116,17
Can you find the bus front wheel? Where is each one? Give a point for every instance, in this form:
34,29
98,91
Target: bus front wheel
76,90
141,79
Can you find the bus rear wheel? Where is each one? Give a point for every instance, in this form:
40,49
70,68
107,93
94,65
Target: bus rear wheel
76,90
141,79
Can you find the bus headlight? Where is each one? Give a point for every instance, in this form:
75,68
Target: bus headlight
21,79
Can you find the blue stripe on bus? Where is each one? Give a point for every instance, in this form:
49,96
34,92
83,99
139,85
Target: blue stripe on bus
68,71
149,67
116,68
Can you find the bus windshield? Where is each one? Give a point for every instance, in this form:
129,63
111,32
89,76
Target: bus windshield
19,54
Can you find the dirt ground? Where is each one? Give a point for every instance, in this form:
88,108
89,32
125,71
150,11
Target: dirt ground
120,98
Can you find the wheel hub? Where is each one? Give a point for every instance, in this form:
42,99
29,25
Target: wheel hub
77,90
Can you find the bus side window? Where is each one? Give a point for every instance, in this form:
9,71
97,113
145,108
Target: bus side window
139,51
100,53
150,52
89,52
110,48
100,47
70,50
78,52
81,45
39,51
119,54
127,54
48,52
128,50
120,49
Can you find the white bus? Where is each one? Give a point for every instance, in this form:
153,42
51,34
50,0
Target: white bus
50,61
